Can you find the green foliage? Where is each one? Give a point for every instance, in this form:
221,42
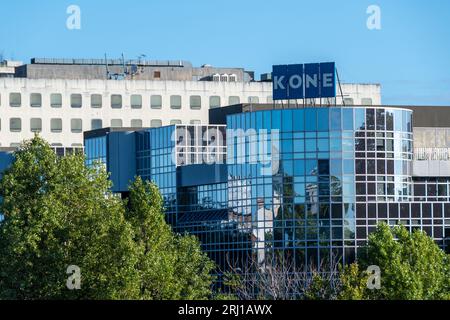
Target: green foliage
171,266
58,212
353,283
412,267
318,289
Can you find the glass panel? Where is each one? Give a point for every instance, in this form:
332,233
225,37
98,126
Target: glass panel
136,123
56,125
96,124
35,100
175,102
155,123
76,125
214,102
36,124
310,119
15,99
323,119
156,102
56,100
347,119
195,102
76,100
96,100
360,119
116,101
253,99
136,101
234,100
116,123
335,118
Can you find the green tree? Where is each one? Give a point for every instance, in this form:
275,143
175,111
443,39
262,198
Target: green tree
353,283
171,266
57,213
412,267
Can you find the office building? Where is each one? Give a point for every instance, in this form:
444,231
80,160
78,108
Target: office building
320,181
62,98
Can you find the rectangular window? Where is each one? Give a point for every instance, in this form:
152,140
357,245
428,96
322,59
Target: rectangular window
366,101
36,124
232,100
348,101
116,123
56,125
36,100
76,100
15,99
175,102
156,102
195,102
116,101
195,122
214,102
96,124
136,123
15,124
253,100
157,74
76,125
96,100
56,100
156,123
136,101
172,122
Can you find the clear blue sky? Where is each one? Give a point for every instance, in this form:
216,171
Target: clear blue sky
409,56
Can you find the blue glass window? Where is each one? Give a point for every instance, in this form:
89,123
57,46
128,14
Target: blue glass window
311,119
347,118
335,119
360,119
323,119
299,121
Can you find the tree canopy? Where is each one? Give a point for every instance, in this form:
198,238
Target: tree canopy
58,212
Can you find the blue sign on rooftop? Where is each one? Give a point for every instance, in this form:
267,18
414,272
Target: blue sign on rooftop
304,81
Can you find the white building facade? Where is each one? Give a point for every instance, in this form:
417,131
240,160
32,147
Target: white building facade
61,109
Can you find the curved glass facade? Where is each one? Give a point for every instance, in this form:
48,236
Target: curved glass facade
327,160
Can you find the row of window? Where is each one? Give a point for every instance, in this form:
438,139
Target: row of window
76,125
96,101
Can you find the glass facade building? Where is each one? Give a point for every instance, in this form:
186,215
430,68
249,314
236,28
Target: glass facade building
309,183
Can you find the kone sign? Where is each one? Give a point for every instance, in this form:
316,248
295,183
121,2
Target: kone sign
304,81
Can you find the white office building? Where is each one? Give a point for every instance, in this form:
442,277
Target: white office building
61,98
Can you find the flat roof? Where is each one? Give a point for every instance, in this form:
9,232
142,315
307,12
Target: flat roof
423,116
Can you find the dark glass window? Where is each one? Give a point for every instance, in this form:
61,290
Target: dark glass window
380,119
360,166
370,119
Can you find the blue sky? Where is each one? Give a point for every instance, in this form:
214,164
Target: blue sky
409,56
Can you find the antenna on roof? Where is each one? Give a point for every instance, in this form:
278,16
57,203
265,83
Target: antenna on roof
107,69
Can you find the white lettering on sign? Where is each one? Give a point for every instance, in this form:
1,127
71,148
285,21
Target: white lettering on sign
295,81
278,83
314,81
327,81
